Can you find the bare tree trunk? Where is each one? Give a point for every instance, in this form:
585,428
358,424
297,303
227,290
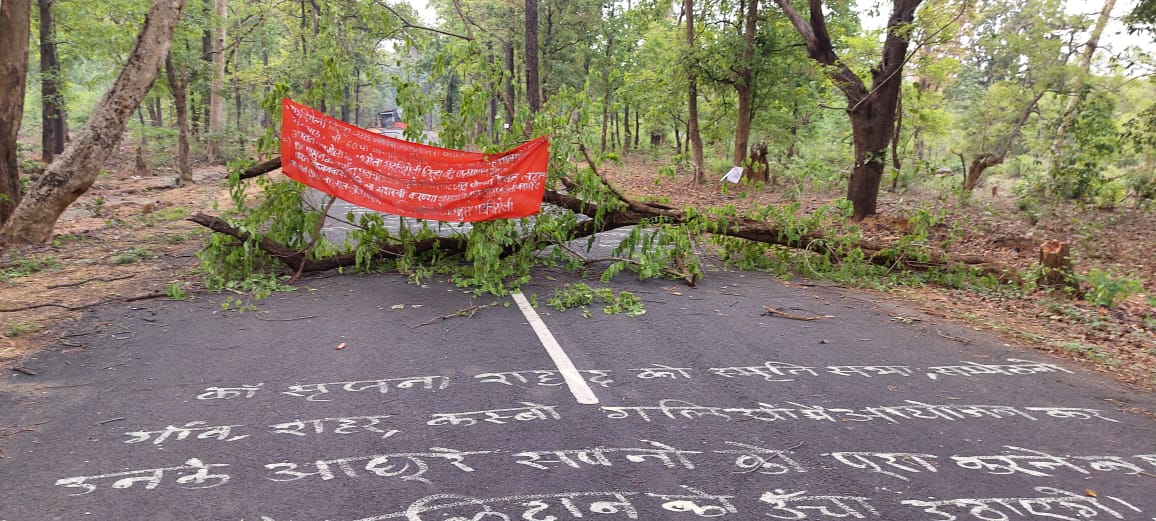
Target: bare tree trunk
217,89
896,165
178,86
746,82
14,31
693,137
872,112
605,120
153,104
266,121
76,169
637,133
52,113
626,142
345,102
493,85
511,94
617,131
533,85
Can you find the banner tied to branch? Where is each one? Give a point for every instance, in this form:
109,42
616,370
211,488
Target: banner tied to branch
410,179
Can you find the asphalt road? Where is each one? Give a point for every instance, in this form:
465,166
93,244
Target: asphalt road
352,398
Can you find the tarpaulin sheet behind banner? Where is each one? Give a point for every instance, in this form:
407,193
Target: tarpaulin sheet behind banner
410,179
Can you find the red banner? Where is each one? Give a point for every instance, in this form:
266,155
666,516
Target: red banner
409,179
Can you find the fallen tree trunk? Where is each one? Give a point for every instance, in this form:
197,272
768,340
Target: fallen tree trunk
634,213
298,261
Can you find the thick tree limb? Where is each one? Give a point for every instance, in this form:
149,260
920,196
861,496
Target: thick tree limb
635,213
262,169
298,261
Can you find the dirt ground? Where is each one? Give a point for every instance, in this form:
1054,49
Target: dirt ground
126,240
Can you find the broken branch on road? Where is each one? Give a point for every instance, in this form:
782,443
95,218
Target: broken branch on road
629,213
772,311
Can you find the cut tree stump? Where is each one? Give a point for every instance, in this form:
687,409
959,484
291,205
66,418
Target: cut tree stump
1056,265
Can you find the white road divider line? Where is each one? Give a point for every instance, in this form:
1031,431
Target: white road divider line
578,386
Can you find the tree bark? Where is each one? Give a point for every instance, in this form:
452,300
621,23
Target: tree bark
533,85
76,169
693,137
872,112
217,88
15,20
896,165
746,82
760,168
511,94
51,113
626,141
178,86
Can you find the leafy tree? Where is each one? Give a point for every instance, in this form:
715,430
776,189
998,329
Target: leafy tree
1095,143
74,171
872,112
1019,55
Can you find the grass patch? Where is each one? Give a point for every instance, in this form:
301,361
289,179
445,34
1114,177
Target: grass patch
130,256
67,238
15,329
25,267
164,215
1091,352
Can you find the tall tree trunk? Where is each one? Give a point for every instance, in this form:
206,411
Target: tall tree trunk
637,133
239,112
156,119
266,121
616,142
605,120
76,169
896,165
626,143
1078,84
178,86
357,96
508,55
217,90
872,112
746,82
533,86
693,137
493,84
52,112
14,31
345,102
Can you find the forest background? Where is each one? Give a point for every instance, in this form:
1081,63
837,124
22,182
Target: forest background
935,168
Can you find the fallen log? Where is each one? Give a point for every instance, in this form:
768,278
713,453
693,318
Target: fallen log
633,213
299,262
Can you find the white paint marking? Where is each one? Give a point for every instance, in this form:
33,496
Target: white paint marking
574,380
